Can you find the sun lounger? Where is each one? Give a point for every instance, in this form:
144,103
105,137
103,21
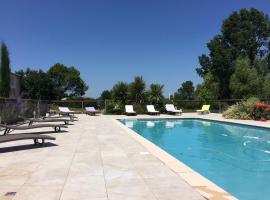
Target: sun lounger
8,128
171,109
66,111
204,110
64,117
31,121
91,111
151,110
24,136
129,110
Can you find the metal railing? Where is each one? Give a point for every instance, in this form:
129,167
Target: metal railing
12,110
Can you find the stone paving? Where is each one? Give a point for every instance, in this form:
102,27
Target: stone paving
97,159
94,160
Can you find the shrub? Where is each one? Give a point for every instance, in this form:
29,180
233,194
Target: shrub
114,108
244,110
261,110
139,108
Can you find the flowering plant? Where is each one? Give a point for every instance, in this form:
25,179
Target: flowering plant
262,111
263,119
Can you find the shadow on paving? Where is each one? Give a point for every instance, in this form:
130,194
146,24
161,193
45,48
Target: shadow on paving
26,147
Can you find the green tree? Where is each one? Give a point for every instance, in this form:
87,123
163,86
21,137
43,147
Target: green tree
155,94
120,92
208,90
36,84
4,72
137,89
186,91
266,87
262,67
106,94
245,81
67,81
243,33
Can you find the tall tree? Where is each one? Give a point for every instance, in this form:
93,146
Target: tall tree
36,84
245,81
137,89
106,94
243,33
266,87
155,94
67,81
4,71
120,92
209,89
186,91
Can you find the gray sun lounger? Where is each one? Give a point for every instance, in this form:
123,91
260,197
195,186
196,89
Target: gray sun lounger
25,136
66,121
70,117
8,128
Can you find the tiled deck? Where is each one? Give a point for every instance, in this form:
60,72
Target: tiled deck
96,159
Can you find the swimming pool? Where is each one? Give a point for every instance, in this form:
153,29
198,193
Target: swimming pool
235,157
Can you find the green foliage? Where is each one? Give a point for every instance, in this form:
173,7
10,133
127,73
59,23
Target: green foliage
208,90
114,108
155,95
60,81
120,92
244,110
244,81
266,87
67,81
139,108
261,66
106,94
36,85
4,72
137,90
185,92
244,33
134,94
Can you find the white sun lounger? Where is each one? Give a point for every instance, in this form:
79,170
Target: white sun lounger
171,109
129,110
151,110
67,112
91,111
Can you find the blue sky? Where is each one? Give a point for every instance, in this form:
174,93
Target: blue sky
111,40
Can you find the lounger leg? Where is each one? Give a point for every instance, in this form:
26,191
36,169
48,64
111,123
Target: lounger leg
57,129
38,143
35,141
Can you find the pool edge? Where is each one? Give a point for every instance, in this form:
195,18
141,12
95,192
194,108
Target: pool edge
201,184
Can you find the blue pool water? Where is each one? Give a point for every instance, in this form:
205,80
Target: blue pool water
235,157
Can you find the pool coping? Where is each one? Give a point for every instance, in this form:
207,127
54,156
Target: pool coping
201,184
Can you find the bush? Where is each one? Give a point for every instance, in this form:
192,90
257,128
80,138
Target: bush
261,111
139,108
114,108
244,110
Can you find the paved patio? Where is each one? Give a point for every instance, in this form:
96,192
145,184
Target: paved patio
96,159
